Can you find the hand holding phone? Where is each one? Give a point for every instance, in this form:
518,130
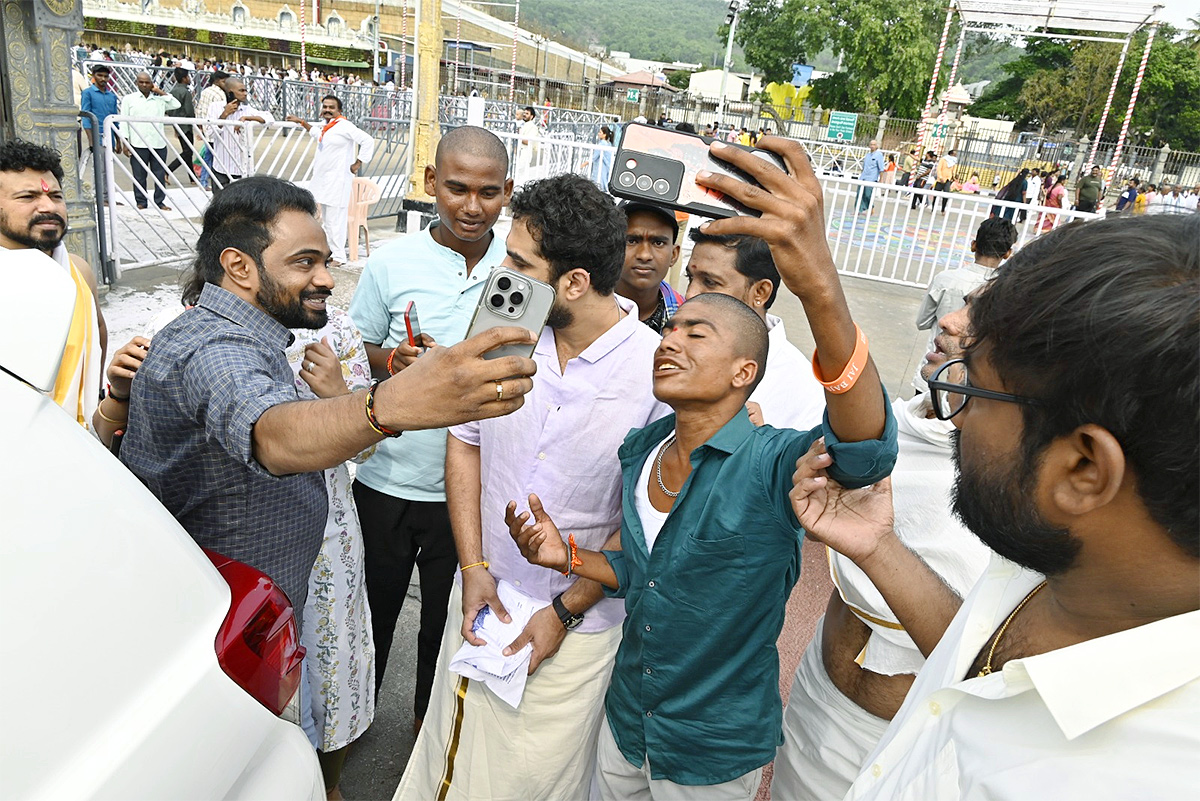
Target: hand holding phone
791,212
411,324
510,298
660,165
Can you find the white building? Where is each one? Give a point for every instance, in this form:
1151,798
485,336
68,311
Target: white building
740,86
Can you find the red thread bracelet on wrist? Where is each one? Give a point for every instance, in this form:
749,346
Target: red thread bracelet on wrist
391,356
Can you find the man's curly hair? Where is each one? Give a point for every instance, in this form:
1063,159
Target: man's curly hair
576,226
17,155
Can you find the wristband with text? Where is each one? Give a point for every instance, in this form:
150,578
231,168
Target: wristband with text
854,368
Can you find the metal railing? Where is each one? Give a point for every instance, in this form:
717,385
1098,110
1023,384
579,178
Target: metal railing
906,235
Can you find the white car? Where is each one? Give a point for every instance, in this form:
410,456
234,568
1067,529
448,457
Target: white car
132,666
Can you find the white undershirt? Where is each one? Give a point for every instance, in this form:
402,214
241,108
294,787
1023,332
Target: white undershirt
652,519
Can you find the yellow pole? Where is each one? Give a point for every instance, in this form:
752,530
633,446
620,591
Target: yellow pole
426,75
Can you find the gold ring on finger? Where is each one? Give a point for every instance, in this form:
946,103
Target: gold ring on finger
499,391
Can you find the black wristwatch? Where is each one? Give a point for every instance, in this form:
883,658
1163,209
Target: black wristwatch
568,620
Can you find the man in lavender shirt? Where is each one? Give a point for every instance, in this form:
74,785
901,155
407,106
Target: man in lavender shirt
593,385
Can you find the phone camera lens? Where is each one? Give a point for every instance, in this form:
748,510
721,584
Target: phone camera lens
497,301
516,298
626,179
661,186
644,182
503,283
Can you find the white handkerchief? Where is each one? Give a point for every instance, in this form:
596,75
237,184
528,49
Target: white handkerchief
503,675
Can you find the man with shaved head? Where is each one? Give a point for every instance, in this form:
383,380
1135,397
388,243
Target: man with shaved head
400,492
230,158
710,546
146,138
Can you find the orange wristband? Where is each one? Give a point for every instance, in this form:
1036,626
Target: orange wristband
854,369
391,356
574,561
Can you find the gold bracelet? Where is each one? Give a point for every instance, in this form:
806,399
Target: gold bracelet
484,565
103,416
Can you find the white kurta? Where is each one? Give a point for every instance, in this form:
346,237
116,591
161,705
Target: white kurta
331,177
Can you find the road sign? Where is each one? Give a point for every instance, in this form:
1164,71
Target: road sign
841,126
633,95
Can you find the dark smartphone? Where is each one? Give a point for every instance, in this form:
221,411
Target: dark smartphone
229,97
411,324
659,165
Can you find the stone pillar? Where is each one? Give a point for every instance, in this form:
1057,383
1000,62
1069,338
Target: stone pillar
541,91
1080,155
590,103
425,132
38,38
1160,165
883,121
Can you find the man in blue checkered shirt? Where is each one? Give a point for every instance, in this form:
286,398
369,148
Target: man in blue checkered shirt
215,427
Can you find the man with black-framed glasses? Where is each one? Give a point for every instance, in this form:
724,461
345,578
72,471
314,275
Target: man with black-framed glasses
1074,663
861,663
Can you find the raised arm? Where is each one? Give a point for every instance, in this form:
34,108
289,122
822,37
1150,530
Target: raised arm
445,387
858,524
541,544
793,225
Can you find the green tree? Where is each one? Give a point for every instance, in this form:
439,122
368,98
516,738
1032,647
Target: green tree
887,46
679,78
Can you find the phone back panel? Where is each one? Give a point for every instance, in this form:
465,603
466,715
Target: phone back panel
659,165
531,313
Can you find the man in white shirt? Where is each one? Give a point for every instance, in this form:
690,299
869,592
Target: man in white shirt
593,385
947,291
231,154
1073,666
788,396
146,138
214,92
527,146
861,662
342,149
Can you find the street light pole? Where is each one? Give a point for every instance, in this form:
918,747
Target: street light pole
735,7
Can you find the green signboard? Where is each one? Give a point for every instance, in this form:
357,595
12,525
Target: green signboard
841,126
633,95
937,131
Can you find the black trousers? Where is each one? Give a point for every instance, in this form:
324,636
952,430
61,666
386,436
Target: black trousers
944,186
156,160
220,182
398,534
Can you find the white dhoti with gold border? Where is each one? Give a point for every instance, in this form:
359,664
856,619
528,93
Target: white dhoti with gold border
474,746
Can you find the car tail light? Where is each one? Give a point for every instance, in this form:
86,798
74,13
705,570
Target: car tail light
258,645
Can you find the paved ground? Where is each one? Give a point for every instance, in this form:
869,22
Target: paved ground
376,761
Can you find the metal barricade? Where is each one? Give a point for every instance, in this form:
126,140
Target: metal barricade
140,237
905,237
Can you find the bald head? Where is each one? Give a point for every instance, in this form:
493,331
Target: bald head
478,143
748,330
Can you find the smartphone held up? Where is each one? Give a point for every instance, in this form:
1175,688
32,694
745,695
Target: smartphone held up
512,299
659,165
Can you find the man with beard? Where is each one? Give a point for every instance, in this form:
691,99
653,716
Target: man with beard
215,428
594,363
33,214
400,491
1074,663
342,149
861,662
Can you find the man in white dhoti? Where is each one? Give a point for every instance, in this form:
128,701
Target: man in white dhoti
334,168
860,664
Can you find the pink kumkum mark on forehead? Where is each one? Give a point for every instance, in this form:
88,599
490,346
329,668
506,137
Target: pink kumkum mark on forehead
45,186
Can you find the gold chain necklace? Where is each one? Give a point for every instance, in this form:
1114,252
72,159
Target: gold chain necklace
987,667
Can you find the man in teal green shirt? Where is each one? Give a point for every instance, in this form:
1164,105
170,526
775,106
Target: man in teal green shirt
710,543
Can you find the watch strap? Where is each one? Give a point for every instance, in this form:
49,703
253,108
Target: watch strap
565,617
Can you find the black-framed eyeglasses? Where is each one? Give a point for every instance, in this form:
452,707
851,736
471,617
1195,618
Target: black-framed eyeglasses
951,388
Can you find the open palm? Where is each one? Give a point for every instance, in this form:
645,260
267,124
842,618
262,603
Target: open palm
851,521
